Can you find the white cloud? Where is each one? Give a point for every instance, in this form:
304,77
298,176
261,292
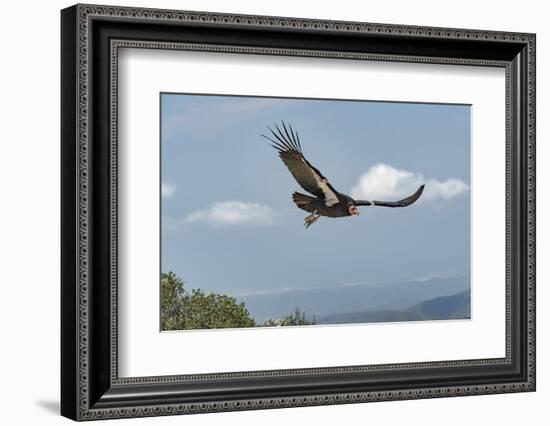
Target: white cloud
167,190
233,213
429,277
386,183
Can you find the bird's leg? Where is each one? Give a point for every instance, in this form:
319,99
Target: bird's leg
311,219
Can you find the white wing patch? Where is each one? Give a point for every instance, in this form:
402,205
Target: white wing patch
330,197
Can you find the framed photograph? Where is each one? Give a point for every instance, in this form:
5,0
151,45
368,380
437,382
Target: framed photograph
263,212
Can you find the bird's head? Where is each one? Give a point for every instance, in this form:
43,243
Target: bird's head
353,210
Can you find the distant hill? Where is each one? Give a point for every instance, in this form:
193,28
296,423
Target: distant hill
370,316
373,300
456,306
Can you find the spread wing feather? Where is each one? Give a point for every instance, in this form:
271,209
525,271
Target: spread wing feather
401,203
287,142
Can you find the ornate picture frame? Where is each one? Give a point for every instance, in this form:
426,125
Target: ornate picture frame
91,37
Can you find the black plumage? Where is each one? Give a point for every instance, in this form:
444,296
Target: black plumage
326,200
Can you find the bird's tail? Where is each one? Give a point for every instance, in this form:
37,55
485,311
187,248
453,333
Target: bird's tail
303,201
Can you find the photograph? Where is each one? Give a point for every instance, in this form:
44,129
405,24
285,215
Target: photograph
312,212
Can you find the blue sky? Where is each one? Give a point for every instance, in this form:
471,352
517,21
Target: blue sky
228,221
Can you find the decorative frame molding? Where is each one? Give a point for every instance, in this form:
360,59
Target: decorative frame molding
91,37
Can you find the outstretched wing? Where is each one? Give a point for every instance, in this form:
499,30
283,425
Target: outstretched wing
287,142
401,203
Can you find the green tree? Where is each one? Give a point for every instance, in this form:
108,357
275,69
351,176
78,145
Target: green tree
171,295
297,317
183,310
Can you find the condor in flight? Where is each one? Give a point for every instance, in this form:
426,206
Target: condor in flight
326,201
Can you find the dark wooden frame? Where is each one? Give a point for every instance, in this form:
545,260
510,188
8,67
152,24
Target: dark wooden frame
90,386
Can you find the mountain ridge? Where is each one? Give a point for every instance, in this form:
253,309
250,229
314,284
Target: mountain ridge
321,302
456,306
